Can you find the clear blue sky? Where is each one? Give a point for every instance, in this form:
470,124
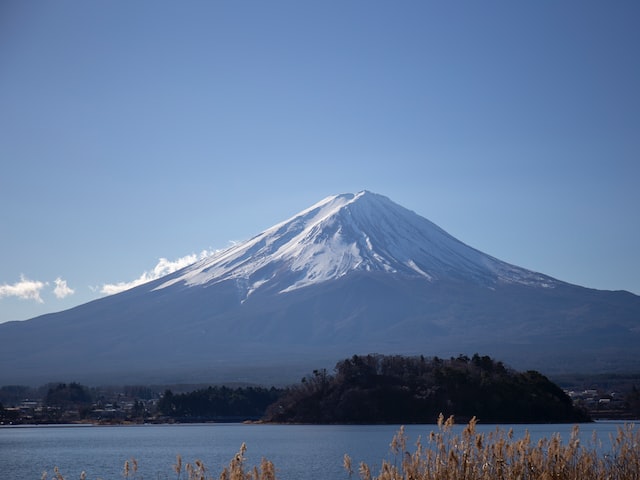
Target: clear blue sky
135,131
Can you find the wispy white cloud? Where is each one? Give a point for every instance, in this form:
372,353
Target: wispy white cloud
25,289
162,268
62,290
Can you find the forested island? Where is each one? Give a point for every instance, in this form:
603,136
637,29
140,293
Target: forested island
400,390
361,389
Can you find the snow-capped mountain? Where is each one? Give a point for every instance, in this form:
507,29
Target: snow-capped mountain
353,274
348,233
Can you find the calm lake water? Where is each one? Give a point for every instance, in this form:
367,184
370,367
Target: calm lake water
309,452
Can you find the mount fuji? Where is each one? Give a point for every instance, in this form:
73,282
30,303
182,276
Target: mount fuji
352,274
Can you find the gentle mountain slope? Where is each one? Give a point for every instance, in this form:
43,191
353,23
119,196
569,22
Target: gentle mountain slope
354,274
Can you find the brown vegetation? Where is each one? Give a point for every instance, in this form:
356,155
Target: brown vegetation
469,455
477,456
236,470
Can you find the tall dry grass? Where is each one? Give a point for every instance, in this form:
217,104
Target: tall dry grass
469,455
236,470
498,456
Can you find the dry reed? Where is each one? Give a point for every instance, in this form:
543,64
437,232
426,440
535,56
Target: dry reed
236,470
466,456
498,456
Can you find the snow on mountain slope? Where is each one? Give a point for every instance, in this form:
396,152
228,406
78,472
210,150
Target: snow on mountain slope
353,274
345,233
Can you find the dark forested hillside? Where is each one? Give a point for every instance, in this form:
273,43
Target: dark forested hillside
398,389
218,403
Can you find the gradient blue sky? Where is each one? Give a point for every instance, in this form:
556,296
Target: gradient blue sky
136,131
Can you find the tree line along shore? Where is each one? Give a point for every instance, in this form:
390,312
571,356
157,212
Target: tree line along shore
389,389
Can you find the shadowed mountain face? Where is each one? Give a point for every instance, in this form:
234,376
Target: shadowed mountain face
353,274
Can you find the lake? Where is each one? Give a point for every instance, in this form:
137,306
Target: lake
310,452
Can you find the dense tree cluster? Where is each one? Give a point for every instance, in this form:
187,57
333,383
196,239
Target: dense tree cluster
218,403
399,389
632,401
65,395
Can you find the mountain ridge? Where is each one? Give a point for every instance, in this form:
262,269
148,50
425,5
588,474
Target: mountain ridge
352,274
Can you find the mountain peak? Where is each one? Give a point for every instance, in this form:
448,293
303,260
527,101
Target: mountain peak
345,233
354,273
